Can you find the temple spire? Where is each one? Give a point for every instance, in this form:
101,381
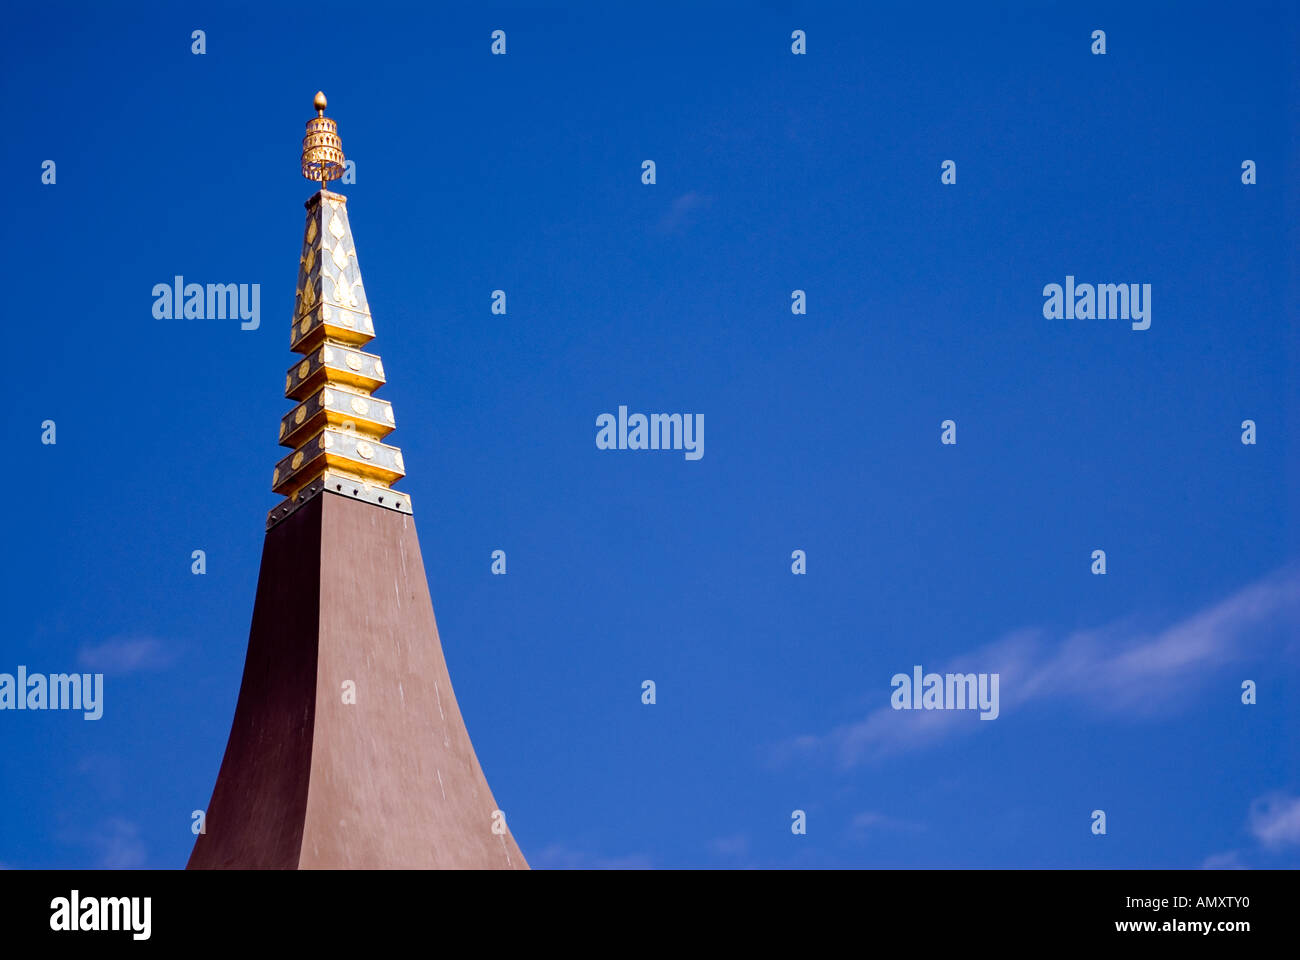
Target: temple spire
347,749
337,427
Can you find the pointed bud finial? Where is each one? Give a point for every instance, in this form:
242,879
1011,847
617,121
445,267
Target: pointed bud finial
322,150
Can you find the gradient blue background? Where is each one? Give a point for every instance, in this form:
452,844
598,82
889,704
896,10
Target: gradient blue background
775,172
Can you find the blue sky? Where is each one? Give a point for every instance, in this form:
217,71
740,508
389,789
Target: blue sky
775,172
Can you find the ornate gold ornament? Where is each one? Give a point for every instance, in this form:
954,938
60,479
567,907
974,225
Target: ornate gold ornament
322,150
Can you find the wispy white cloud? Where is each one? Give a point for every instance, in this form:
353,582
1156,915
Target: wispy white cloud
1121,668
119,844
734,845
1228,860
871,821
557,856
1275,821
124,655
682,212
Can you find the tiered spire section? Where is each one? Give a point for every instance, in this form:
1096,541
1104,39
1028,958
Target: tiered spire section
337,428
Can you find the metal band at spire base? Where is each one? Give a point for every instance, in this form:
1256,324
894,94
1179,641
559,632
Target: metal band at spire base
343,486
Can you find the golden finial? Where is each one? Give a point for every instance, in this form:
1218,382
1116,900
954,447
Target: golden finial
322,150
